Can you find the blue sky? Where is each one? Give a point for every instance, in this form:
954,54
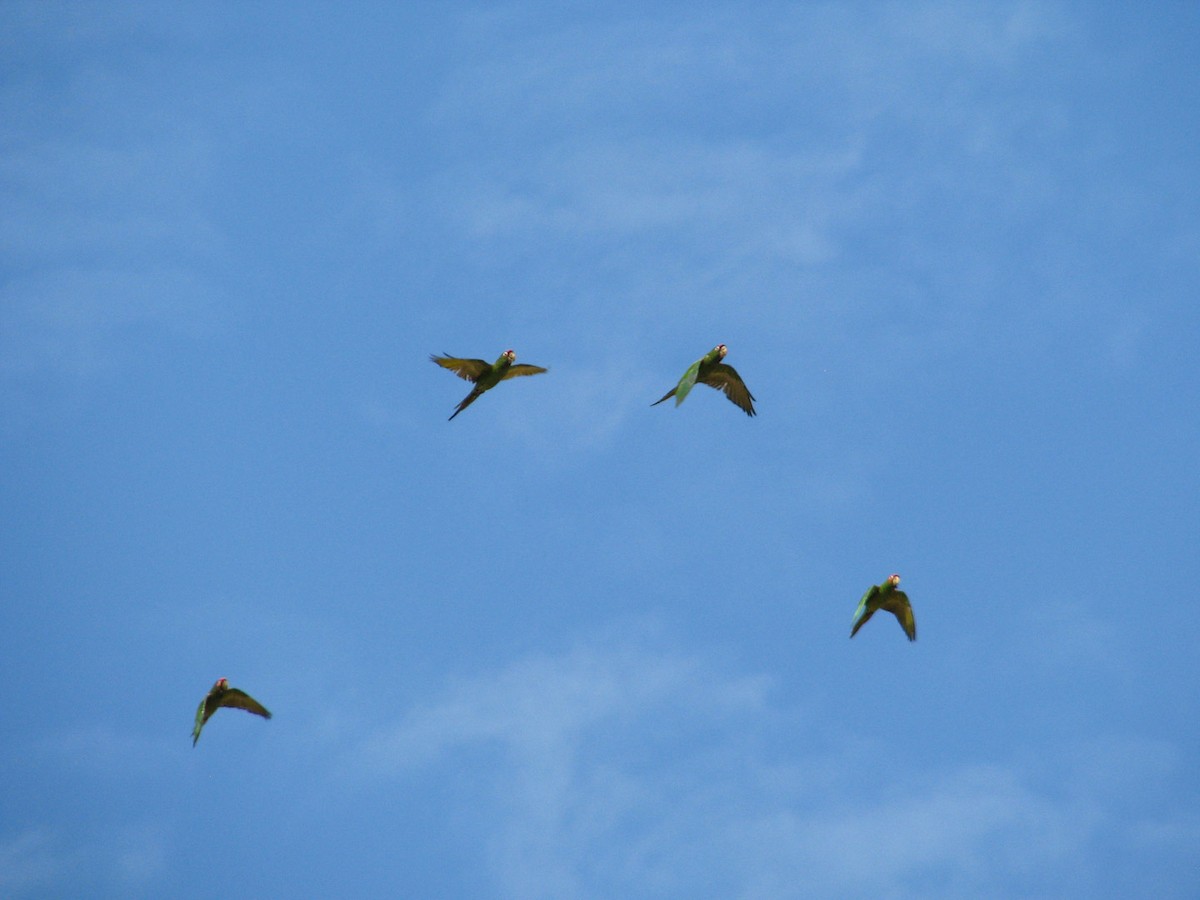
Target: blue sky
568,645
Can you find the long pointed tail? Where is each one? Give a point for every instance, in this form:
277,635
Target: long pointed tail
467,401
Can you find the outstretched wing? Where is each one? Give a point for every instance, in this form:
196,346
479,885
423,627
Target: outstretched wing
522,369
202,715
725,378
898,605
241,700
686,382
680,391
865,609
468,369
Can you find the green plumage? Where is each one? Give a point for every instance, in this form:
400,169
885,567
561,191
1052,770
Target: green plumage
888,598
223,695
711,371
484,376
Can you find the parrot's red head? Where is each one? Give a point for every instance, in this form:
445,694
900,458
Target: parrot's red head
721,351
893,579
222,684
510,355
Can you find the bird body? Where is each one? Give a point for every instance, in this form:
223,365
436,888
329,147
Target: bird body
485,376
223,695
886,597
711,371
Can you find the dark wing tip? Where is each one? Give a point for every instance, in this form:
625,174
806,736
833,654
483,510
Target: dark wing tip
859,624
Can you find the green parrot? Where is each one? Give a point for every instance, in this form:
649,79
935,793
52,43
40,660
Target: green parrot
885,596
223,695
711,371
485,376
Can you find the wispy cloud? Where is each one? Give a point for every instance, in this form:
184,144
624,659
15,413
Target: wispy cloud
101,225
549,704
102,749
30,861
955,833
125,857
140,854
554,723
615,768
618,140
582,407
68,320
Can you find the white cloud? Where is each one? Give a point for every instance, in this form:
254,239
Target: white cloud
102,749
140,854
963,830
543,706
99,221
614,768
552,721
777,203
618,141
70,319
580,408
27,862
35,863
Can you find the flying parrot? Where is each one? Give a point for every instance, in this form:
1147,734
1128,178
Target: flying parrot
885,596
483,375
223,695
711,371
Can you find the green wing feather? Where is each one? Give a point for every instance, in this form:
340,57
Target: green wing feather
865,610
231,697
680,391
894,601
710,371
725,378
897,604
522,369
468,369
687,382
241,700
201,718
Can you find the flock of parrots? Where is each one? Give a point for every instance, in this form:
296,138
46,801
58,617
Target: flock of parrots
710,370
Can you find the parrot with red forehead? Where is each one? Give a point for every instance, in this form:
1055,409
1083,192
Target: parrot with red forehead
886,597
711,371
223,695
485,376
